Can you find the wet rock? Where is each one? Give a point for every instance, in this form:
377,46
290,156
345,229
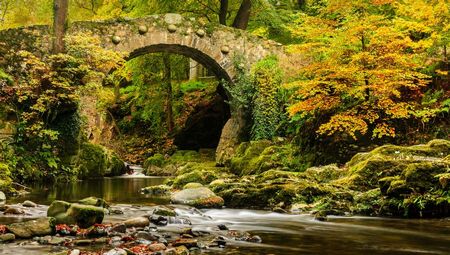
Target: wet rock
75,252
222,227
28,229
116,251
186,242
157,247
198,197
94,201
137,222
181,250
159,220
8,237
2,196
164,211
56,241
119,228
29,203
83,242
97,230
13,210
255,239
82,215
146,236
116,211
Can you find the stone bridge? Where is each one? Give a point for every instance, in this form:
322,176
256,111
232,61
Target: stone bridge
211,45
214,46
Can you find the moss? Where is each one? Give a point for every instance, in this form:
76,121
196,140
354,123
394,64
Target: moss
94,201
159,190
192,185
5,179
198,176
183,156
155,160
422,176
210,202
96,161
324,173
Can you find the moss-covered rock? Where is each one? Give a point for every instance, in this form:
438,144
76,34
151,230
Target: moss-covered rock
82,215
198,197
28,229
159,190
155,160
94,201
192,185
97,161
203,177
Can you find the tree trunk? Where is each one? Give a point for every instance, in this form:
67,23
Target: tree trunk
223,12
60,12
243,15
167,80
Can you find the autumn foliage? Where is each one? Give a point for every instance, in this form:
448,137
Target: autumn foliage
367,65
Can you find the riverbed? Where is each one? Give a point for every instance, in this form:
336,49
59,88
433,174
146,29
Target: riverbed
281,233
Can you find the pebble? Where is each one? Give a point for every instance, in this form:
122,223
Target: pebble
157,247
222,227
120,228
255,239
146,236
116,251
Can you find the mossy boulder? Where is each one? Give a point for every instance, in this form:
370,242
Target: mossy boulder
94,201
32,228
203,177
192,185
198,197
256,157
82,215
365,169
96,161
155,160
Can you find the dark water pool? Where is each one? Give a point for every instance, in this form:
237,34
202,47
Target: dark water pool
114,190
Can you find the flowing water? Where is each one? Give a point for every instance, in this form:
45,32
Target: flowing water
281,233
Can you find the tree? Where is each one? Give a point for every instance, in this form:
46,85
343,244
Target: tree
364,72
167,81
60,9
5,6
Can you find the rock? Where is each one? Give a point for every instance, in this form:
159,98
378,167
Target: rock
159,220
233,133
222,227
160,190
119,228
164,211
146,236
157,247
28,229
198,197
29,203
173,18
255,239
188,243
181,250
97,161
75,252
13,210
8,237
56,240
83,242
57,207
192,185
2,197
137,222
94,201
116,251
82,215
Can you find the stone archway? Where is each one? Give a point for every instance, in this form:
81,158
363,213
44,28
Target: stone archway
211,45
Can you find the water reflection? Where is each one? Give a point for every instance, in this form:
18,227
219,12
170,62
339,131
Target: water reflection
113,190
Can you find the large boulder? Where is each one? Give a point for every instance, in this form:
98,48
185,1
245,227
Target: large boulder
82,215
198,197
233,133
96,161
2,197
28,229
94,201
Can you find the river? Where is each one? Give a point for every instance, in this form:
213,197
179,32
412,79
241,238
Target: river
281,233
